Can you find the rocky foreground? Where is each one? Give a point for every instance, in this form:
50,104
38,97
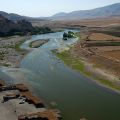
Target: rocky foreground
18,103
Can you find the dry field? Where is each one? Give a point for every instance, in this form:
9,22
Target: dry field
103,22
113,55
101,36
101,50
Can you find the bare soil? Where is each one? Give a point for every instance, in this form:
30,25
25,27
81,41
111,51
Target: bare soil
101,36
103,22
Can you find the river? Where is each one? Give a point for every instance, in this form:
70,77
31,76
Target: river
75,95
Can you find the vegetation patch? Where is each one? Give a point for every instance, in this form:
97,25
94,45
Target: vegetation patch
41,30
79,65
6,65
68,35
73,62
37,43
17,46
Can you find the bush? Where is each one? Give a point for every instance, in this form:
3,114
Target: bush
68,35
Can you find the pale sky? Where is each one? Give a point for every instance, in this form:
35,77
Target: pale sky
38,8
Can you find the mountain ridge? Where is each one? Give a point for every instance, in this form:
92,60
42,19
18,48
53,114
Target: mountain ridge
106,11
17,17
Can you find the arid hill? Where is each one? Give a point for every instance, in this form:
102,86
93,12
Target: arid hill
107,11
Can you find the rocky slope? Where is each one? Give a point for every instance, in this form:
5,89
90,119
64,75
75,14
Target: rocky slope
8,27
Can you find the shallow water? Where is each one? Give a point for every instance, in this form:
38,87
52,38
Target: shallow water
61,87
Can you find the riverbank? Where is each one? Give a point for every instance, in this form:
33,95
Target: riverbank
85,60
11,54
87,69
22,104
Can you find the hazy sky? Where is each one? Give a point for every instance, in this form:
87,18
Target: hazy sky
37,8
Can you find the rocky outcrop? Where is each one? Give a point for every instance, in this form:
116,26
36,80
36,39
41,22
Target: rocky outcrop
8,27
24,25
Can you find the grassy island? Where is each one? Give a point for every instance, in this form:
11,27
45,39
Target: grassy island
38,43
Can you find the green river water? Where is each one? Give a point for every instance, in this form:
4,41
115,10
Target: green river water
75,95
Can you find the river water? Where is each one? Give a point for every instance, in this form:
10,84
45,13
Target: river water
75,95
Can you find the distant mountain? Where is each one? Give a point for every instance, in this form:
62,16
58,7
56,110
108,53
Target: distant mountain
107,11
59,14
16,17
11,16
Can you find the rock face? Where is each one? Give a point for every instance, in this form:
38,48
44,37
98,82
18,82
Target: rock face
24,25
8,27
